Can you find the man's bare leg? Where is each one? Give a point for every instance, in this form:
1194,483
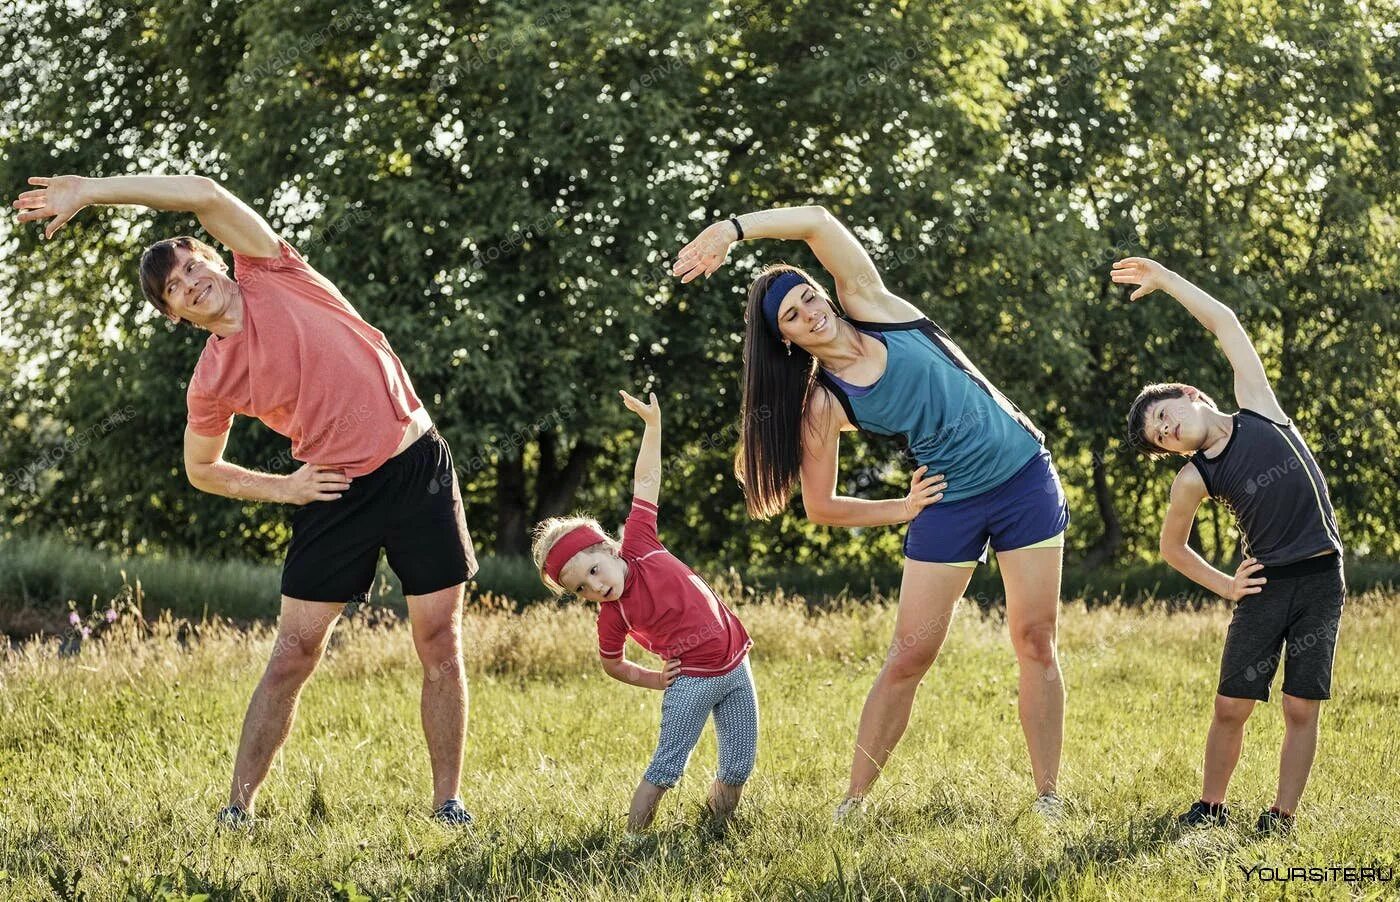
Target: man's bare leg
437,637
302,631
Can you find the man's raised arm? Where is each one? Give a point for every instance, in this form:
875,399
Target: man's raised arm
230,221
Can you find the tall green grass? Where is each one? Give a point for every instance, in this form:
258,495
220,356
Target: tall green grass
41,576
114,760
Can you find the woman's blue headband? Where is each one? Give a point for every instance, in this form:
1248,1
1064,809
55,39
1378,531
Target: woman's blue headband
773,297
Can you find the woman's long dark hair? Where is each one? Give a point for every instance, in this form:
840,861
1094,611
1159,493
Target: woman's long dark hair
776,387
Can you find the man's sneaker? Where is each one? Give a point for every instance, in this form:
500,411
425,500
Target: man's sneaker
849,810
1275,822
233,818
453,814
1203,814
1050,806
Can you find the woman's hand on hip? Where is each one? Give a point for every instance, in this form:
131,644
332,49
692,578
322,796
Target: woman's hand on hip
923,491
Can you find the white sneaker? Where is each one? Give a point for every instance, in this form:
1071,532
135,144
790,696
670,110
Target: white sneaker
849,810
1050,807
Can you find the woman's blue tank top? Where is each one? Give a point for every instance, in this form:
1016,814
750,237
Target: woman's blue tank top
953,419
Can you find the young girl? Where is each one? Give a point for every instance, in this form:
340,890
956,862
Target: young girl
643,591
1289,589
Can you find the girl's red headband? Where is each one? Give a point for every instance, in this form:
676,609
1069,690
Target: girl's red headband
574,541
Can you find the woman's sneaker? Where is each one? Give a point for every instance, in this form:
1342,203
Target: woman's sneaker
1275,823
1204,814
1050,807
453,814
849,811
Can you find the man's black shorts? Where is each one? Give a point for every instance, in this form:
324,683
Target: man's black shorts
411,507
1294,620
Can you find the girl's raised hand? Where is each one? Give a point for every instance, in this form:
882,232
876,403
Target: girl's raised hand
706,253
650,413
1148,275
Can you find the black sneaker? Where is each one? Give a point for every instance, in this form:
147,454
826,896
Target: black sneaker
233,818
1203,814
1275,822
453,814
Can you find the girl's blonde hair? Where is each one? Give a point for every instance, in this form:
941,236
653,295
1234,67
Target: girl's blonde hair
549,532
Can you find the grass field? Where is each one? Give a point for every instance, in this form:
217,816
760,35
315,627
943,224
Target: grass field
112,762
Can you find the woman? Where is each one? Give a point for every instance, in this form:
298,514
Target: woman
889,370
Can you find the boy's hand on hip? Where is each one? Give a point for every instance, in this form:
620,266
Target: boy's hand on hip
1244,581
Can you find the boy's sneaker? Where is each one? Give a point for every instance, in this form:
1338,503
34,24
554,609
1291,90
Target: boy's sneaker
453,814
1050,807
1204,814
1275,822
233,818
849,810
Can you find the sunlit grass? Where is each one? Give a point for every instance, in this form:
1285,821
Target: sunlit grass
113,761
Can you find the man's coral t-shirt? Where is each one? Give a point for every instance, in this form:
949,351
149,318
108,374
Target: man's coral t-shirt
307,365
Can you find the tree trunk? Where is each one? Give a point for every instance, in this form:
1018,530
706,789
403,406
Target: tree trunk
1108,545
555,489
556,486
512,504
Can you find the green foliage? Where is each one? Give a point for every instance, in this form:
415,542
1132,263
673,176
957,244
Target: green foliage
41,576
41,579
500,186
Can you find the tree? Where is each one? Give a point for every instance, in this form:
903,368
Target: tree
500,187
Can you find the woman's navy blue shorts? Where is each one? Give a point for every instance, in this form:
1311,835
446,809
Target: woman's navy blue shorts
1027,509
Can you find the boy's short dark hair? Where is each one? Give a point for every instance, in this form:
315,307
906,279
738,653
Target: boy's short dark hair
159,259
1137,414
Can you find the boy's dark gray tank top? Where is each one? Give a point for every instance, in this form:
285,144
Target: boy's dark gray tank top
1269,480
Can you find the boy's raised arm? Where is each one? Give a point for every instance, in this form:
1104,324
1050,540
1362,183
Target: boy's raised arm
1252,389
646,483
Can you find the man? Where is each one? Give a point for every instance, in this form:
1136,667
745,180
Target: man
286,347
